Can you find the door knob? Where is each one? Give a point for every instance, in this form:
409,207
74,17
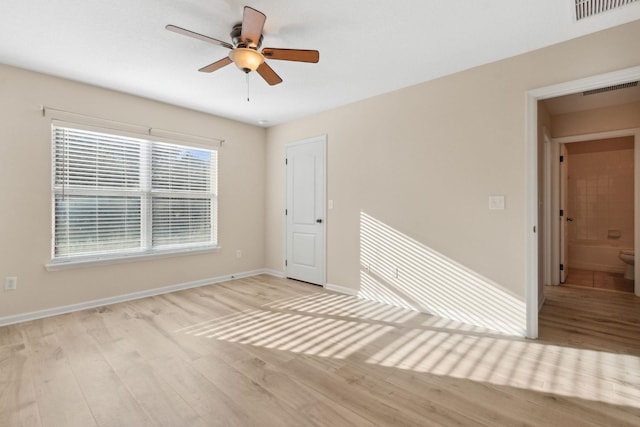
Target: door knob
569,219
319,221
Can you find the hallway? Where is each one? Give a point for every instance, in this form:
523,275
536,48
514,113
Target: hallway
591,319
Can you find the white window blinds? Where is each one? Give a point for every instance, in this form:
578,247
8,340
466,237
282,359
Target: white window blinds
116,196
181,182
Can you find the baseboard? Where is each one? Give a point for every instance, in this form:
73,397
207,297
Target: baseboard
341,289
541,302
274,273
241,275
34,315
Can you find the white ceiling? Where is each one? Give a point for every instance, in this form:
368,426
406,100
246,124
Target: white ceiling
366,47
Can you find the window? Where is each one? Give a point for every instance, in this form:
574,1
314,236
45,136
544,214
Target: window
116,196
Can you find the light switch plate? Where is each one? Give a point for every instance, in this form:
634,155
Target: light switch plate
10,283
496,202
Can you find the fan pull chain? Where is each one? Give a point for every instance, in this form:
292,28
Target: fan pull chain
247,87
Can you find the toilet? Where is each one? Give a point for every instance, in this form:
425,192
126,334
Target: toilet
628,257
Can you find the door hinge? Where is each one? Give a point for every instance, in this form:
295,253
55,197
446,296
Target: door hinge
285,263
286,161
286,212
561,212
561,159
561,267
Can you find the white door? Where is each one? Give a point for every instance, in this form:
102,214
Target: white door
305,210
564,203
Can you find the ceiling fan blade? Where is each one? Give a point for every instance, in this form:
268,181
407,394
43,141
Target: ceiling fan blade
252,24
291,54
268,74
207,39
216,65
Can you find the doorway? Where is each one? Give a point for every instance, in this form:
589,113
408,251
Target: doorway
534,261
596,194
305,213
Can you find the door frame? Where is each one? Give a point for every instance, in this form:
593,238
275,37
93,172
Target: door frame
564,207
323,140
551,219
531,176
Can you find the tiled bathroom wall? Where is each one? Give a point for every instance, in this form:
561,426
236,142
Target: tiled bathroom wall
600,197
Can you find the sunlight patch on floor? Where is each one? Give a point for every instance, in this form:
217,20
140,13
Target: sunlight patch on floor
342,327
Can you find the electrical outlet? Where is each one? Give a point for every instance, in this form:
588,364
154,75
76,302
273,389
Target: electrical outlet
239,253
496,202
10,283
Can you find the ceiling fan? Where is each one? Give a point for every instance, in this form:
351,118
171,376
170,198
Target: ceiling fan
246,37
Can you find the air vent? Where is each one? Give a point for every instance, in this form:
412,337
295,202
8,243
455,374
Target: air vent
586,8
610,88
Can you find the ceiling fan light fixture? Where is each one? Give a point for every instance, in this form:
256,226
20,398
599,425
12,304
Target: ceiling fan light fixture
246,37
246,59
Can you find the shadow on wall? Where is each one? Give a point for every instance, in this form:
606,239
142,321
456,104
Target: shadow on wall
398,270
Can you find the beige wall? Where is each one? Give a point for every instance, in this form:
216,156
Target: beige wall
625,116
25,182
423,161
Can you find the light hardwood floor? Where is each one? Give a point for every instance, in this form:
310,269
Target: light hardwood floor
271,352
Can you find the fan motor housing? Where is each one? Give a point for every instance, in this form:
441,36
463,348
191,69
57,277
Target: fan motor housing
236,38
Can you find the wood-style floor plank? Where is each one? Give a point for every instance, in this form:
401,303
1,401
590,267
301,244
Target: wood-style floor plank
60,399
16,388
209,401
264,351
109,400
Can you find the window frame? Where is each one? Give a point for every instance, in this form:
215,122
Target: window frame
146,194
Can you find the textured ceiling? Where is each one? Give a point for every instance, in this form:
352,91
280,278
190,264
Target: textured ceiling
366,48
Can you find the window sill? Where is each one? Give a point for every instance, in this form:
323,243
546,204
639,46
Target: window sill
121,259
